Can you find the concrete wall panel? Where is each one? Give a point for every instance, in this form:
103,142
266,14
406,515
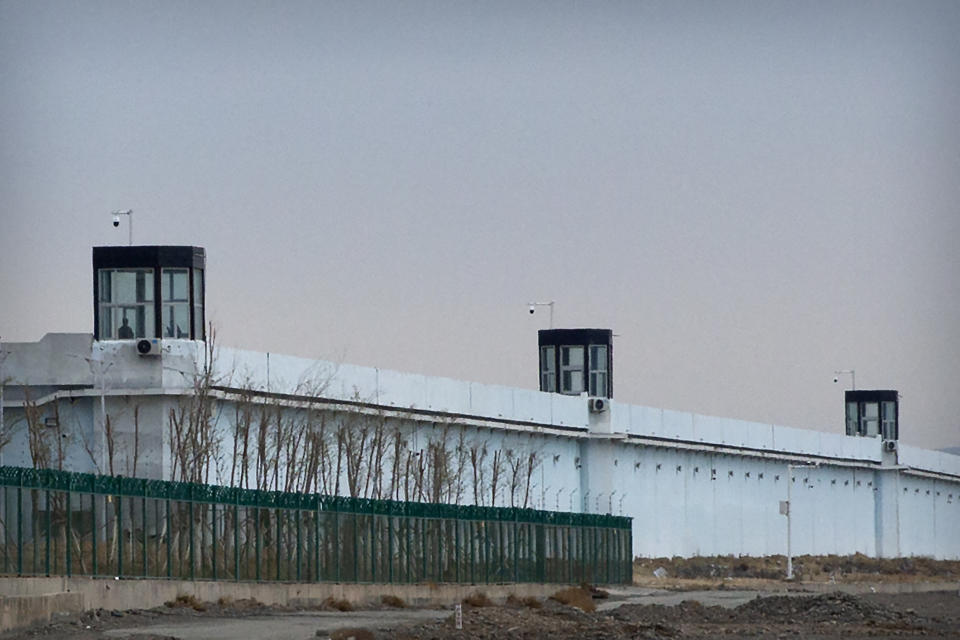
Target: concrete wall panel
677,424
446,394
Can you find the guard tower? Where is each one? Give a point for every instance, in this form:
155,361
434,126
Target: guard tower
574,361
872,413
148,292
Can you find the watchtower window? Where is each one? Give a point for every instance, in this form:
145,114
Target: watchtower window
870,419
852,414
598,370
198,321
889,420
175,287
571,369
548,369
126,304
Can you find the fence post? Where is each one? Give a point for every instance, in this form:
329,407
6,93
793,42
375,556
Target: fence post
486,551
93,513
119,526
143,516
356,545
456,546
390,549
516,548
20,526
277,513
472,537
46,554
236,535
169,528
256,528
423,545
213,538
336,540
69,534
299,557
373,547
190,515
409,549
316,542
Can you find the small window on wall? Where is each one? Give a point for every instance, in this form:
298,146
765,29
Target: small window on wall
198,321
175,287
598,370
571,370
548,368
889,420
126,306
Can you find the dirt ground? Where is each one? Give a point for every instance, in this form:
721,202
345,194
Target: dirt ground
685,598
836,615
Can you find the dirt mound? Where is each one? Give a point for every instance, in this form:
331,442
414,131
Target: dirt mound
832,607
823,615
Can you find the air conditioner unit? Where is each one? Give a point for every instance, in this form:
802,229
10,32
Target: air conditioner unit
599,405
149,347
890,445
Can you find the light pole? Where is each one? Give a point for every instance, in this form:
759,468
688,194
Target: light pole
853,376
116,220
534,305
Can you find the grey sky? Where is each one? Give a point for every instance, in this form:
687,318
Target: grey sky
751,194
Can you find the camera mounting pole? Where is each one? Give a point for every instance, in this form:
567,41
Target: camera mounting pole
534,305
853,376
129,214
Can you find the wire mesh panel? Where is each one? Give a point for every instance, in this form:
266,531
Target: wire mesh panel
61,523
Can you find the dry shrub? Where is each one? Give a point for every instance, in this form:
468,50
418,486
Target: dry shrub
352,634
527,601
393,601
246,603
575,597
186,600
225,601
478,599
338,604
594,591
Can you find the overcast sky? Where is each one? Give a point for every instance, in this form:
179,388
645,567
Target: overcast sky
751,195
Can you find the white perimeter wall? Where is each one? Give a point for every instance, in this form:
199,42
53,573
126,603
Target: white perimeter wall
694,485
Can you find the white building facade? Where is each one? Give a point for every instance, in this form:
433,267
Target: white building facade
693,484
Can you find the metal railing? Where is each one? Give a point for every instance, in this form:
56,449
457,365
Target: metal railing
63,523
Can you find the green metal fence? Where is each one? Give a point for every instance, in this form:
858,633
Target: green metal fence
62,523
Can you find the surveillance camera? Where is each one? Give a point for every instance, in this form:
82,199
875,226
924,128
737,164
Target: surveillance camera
116,221
532,308
836,379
